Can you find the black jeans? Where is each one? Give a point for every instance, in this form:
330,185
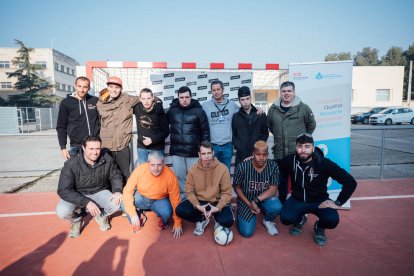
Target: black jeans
187,211
123,159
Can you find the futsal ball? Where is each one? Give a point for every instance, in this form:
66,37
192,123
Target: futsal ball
223,235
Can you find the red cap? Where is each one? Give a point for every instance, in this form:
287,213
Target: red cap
114,80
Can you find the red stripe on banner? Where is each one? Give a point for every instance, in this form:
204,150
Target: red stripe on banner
216,65
245,66
188,65
159,65
130,64
272,66
93,64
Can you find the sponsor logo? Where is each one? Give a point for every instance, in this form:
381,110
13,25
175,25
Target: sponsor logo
170,98
169,86
157,82
157,94
169,75
234,88
204,87
226,95
211,80
225,84
327,76
202,76
234,99
246,81
235,77
90,106
191,83
180,79
299,76
193,95
202,99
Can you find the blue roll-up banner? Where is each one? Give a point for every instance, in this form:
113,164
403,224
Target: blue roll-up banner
327,87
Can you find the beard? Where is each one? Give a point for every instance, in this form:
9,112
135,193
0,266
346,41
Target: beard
304,158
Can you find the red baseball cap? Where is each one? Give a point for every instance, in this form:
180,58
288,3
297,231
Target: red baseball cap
114,80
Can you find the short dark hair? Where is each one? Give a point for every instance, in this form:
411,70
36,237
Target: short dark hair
183,89
145,90
286,84
82,78
304,138
91,138
205,144
214,82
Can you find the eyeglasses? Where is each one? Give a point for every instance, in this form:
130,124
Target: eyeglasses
304,134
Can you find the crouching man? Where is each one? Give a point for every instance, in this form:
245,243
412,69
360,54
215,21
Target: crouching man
85,181
153,186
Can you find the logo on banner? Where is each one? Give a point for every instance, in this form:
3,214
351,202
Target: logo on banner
191,83
169,86
246,81
225,84
211,80
202,99
169,75
298,76
170,98
180,79
204,87
327,76
234,88
157,82
202,76
158,94
193,94
235,77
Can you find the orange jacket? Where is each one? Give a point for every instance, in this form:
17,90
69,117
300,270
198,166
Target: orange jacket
152,187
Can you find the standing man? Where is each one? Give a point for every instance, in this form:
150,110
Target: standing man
248,126
255,184
115,109
153,186
310,171
287,118
188,127
85,181
208,191
220,111
78,117
152,125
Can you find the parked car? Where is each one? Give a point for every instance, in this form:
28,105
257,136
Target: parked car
393,115
363,117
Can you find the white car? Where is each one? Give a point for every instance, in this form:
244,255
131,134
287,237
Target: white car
393,115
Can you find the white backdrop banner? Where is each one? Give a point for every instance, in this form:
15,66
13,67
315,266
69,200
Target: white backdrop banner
327,87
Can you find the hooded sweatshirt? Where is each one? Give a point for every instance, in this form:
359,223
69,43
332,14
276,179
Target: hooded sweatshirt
209,184
77,119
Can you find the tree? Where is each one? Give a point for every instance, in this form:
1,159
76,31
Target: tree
368,57
394,57
338,56
409,55
29,82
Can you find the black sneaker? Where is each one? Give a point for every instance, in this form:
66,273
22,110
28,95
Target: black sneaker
319,235
297,227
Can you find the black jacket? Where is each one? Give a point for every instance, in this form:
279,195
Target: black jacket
245,134
188,128
309,180
78,178
151,123
77,119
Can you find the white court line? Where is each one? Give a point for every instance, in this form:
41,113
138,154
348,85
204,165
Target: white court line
26,214
381,197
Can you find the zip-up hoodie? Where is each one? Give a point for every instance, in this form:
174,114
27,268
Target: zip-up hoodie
211,184
77,119
309,180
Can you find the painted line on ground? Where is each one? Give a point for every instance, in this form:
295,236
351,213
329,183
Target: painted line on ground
381,197
26,214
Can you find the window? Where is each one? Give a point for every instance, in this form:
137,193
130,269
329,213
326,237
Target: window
57,86
73,72
68,70
4,64
383,95
73,89
6,85
69,88
56,66
42,64
64,87
62,68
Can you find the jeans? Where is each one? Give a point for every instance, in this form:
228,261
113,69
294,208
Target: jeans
74,151
181,165
283,186
270,208
70,212
162,207
224,153
294,209
123,159
143,155
187,211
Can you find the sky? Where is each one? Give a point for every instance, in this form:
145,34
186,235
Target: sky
232,32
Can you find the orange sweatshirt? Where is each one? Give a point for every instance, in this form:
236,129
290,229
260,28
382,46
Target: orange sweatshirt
212,184
152,187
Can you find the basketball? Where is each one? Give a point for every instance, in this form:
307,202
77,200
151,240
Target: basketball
223,235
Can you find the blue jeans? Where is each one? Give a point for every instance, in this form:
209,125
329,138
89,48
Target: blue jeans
270,208
73,151
143,155
181,165
224,153
294,209
162,207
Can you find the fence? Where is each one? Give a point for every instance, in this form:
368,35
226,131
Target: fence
14,120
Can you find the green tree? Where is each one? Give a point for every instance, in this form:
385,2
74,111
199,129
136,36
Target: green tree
368,57
29,82
394,57
338,56
409,55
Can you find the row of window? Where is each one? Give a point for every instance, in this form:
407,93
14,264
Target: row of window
6,84
64,87
381,95
63,69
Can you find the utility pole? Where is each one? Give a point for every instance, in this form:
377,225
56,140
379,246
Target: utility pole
409,83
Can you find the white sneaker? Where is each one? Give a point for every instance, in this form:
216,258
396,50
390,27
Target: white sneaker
271,227
216,225
199,230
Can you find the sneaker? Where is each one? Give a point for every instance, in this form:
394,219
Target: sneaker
216,225
162,225
199,230
271,227
142,218
297,227
75,229
103,222
319,235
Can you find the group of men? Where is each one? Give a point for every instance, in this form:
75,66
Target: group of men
96,175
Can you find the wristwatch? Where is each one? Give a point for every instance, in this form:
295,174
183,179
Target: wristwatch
257,200
337,202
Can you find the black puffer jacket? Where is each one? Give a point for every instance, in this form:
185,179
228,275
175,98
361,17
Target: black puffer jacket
309,180
188,127
78,178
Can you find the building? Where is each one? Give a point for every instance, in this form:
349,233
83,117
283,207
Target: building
58,69
375,86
